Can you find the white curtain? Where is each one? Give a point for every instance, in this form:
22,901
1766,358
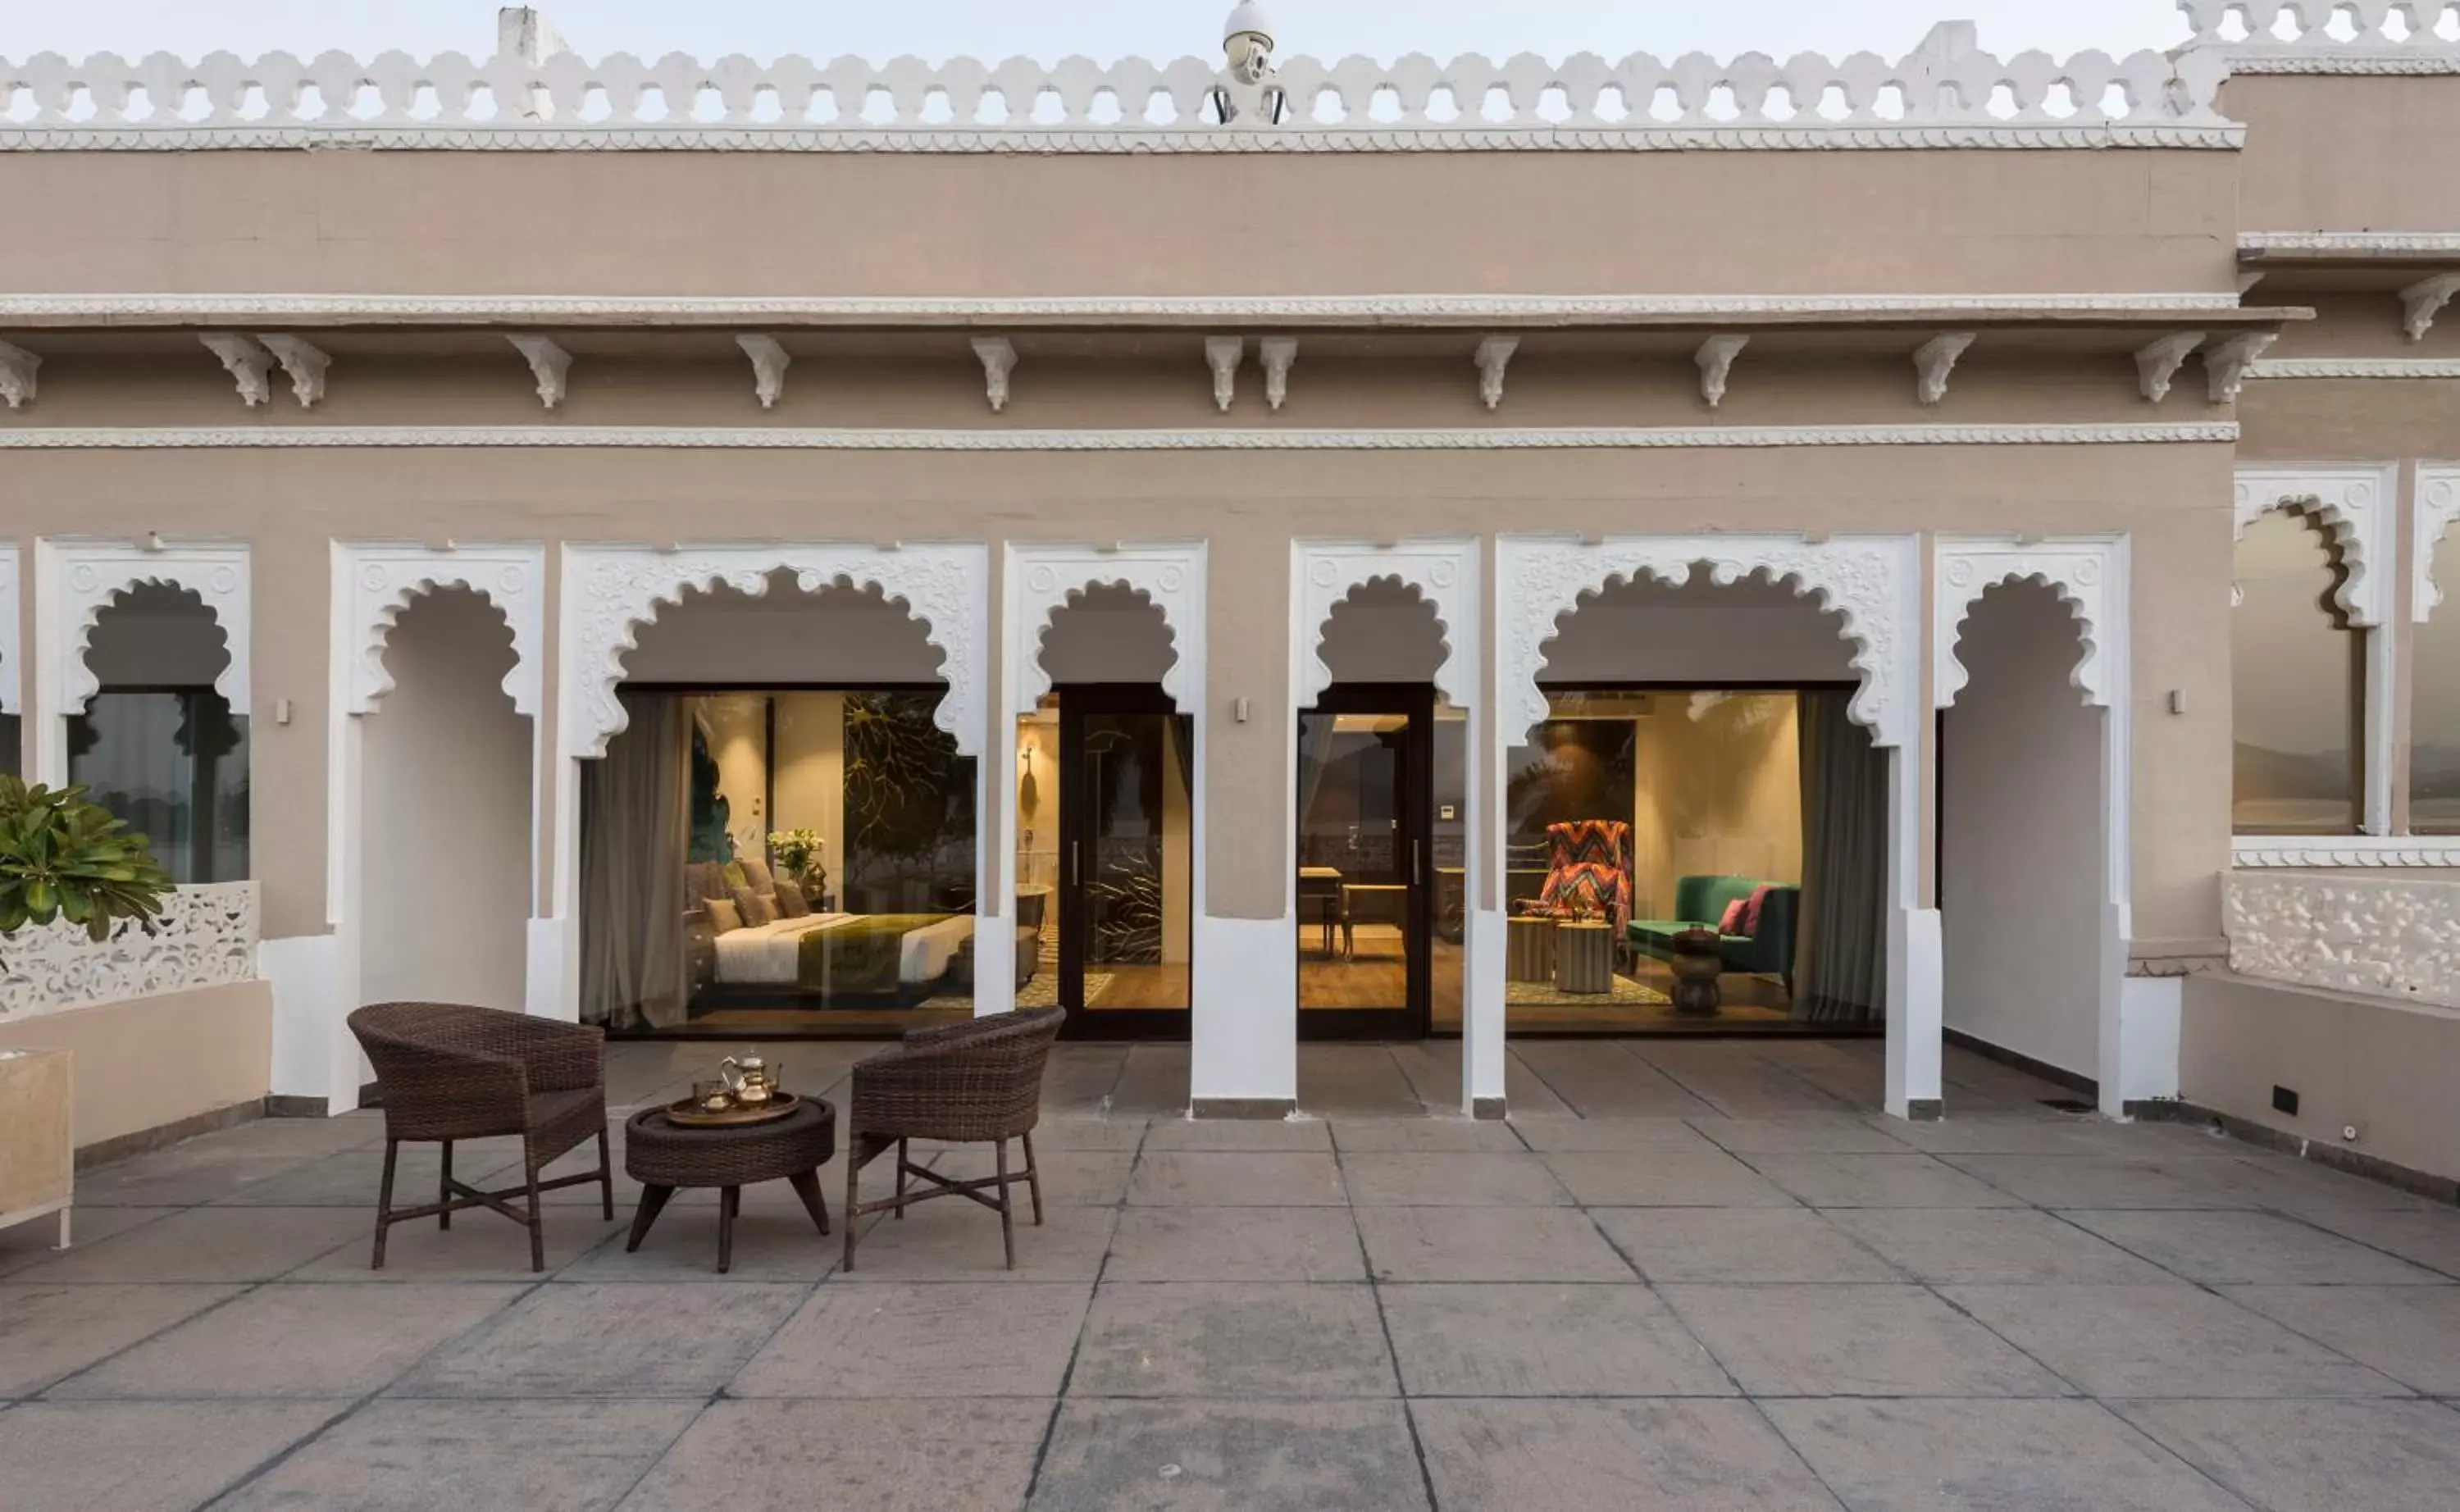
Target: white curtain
1841,972
633,821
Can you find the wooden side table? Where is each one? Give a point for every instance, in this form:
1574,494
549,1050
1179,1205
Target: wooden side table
37,1137
1529,955
1699,956
662,1155
1584,956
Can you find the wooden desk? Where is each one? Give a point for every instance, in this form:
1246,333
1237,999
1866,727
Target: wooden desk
1320,900
1388,898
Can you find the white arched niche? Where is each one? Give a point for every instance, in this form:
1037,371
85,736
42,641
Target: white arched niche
1873,585
2031,769
1332,580
76,581
610,592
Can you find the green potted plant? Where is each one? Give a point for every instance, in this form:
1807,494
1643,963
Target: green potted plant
64,858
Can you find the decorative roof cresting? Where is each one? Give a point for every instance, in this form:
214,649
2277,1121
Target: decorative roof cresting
535,93
2327,36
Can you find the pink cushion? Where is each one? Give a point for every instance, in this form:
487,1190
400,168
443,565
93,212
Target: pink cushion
1752,907
1733,920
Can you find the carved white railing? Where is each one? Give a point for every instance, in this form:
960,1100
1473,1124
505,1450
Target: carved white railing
204,937
2329,37
2384,935
1944,93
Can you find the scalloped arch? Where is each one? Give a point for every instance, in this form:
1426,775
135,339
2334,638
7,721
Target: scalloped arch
2355,504
81,579
380,582
1442,574
1044,579
2438,510
1868,581
1074,598
610,592
2083,574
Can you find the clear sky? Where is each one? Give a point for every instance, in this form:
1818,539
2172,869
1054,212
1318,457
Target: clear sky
1101,29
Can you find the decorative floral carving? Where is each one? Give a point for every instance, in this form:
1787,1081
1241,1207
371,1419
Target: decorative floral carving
80,578
205,936
1044,579
1444,576
2355,503
381,581
1870,581
609,593
248,363
302,363
2387,936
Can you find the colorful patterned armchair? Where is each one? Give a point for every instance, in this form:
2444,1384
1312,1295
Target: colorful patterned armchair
1590,872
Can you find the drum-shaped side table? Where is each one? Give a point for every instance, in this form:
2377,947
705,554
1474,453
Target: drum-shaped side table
1529,950
662,1155
1583,957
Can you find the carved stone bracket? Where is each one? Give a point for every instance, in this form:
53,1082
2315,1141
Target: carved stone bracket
1443,573
379,581
2355,503
247,362
611,591
1872,581
770,360
1934,360
998,357
17,369
2158,363
549,363
1277,354
2438,510
1716,360
2226,363
2088,574
304,365
1493,356
1043,579
2422,301
77,580
1223,354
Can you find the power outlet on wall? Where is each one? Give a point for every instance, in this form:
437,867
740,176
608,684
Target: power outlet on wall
2284,1100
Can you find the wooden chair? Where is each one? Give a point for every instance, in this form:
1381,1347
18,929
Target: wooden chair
446,1072
975,1082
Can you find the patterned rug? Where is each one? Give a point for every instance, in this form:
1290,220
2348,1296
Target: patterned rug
1627,993
1043,992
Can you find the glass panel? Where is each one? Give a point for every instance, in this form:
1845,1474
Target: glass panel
1354,890
2434,706
1137,851
2295,676
758,861
1631,814
174,765
1448,838
1038,838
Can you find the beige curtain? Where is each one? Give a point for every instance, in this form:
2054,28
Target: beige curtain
1840,970
633,821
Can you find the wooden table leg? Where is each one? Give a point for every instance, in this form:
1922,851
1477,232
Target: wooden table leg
653,1201
807,1186
729,1200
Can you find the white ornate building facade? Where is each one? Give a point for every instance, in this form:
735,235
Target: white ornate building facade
458,426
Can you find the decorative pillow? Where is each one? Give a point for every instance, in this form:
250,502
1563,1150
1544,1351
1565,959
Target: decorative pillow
734,877
755,874
723,918
791,902
755,907
1732,921
1752,909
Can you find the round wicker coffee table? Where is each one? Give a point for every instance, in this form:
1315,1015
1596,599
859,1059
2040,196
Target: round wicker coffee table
662,1155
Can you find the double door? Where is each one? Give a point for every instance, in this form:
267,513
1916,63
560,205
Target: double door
1367,867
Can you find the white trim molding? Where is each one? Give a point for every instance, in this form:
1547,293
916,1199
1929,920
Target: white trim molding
2090,575
2267,851
2357,502
13,665
2437,510
1044,310
1946,93
1220,439
77,579
2354,243
377,581
2374,368
1045,578
2395,937
611,592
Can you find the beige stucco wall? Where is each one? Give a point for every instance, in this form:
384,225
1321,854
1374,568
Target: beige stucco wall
962,225
2386,1067
147,1062
2350,153
2172,498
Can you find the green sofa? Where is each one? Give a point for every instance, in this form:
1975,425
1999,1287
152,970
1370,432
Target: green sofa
1699,902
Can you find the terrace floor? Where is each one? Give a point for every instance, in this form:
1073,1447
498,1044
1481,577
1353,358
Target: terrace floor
1695,1275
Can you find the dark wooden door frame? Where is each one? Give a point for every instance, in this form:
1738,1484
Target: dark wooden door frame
1415,809
1077,702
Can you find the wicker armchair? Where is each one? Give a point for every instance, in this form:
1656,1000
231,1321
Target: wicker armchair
978,1081
447,1071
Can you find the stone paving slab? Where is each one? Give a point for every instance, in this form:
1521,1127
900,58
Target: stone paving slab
143,1456
928,1455
2316,1455
1233,1339
2411,1333
921,1339
2168,1340
1538,1340
2251,1248
1986,1456
1854,1341
1488,1243
1235,1244
1740,1244
646,1339
2008,1245
47,1332
1609,1456
1242,1456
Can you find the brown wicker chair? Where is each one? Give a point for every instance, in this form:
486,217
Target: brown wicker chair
978,1081
446,1072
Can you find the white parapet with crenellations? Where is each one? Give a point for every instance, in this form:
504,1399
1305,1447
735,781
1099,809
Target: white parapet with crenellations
205,936
1946,93
2327,36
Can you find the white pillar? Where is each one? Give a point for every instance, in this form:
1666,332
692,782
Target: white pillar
1916,1013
